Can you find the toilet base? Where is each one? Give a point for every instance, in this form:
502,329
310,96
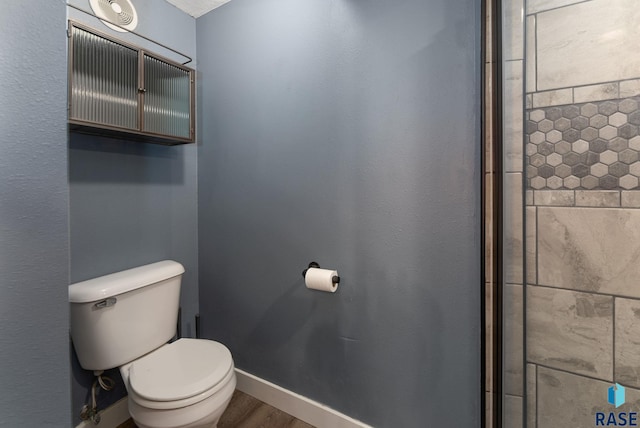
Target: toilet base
204,414
210,421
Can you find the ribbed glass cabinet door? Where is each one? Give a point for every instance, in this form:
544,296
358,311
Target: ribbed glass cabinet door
104,86
121,90
167,98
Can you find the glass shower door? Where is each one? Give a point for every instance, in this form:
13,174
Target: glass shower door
571,199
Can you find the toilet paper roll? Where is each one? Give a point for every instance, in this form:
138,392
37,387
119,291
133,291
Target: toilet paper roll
321,279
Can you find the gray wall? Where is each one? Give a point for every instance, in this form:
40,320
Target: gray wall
134,203
34,235
345,133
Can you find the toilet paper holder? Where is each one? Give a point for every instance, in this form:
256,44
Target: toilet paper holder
335,279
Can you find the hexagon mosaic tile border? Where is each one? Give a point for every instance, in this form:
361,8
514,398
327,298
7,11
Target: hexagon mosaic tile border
589,146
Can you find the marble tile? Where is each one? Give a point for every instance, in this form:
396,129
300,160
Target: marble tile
513,344
599,45
531,54
630,88
532,374
605,91
592,146
563,198
627,352
529,101
552,98
513,412
513,251
512,29
570,331
531,251
529,197
597,198
568,400
630,199
590,249
513,116
535,6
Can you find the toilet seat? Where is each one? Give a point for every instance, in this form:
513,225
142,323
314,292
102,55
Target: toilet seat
180,374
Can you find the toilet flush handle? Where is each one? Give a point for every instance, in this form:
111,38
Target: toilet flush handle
106,303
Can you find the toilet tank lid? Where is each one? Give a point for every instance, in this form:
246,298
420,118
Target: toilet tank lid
124,281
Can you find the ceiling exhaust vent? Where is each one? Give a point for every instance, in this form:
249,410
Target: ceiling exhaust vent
120,12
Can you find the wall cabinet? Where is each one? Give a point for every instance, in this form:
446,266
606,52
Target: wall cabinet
120,90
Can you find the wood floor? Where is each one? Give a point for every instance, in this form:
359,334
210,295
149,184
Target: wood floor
245,411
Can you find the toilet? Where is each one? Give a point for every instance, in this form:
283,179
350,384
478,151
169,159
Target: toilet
126,320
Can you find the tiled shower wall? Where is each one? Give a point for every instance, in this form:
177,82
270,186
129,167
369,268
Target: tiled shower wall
513,230
582,216
511,169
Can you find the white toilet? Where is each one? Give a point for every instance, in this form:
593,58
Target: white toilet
125,320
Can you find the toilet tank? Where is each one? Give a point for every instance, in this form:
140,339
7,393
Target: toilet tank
119,317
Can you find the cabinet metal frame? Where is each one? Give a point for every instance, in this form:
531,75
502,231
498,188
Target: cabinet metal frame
139,133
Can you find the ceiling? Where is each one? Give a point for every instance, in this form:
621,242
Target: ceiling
197,8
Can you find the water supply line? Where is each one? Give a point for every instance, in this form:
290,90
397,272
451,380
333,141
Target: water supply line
90,412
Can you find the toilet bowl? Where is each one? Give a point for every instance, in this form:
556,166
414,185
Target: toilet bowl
185,384
126,320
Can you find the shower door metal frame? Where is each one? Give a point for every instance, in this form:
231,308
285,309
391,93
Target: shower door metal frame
492,119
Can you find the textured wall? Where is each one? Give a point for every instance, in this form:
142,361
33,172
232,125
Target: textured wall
345,133
34,238
134,203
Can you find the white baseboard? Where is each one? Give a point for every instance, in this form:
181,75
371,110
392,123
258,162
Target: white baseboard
111,417
296,405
